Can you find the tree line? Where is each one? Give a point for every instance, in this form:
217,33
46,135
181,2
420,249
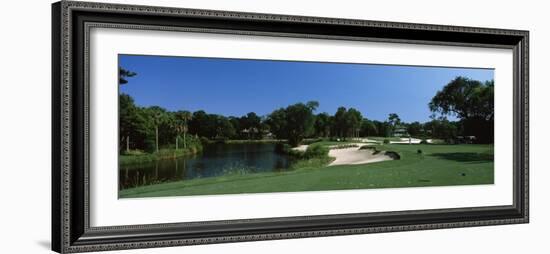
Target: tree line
148,128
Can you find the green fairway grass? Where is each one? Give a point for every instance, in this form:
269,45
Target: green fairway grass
435,165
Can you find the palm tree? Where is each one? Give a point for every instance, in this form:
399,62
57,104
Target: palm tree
182,118
394,121
178,127
157,119
185,116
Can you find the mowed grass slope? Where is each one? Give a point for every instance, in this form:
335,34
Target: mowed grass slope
436,165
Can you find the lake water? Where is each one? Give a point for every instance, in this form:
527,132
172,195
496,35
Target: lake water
215,160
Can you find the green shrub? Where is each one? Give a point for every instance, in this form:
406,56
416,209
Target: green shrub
423,141
314,163
316,151
393,155
386,141
297,154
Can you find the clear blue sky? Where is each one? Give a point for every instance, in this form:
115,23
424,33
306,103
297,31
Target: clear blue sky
234,87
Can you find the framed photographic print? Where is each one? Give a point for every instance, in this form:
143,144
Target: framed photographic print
181,126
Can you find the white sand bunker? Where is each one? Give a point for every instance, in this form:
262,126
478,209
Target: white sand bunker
354,156
410,141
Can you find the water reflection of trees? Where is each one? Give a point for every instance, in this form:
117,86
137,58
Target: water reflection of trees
214,161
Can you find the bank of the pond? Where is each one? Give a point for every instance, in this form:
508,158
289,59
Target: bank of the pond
138,157
419,165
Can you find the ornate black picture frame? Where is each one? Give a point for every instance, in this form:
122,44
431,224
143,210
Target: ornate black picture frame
71,231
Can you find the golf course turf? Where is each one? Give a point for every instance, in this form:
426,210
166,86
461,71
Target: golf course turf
419,165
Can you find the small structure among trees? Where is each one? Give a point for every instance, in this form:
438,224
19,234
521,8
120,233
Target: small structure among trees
400,131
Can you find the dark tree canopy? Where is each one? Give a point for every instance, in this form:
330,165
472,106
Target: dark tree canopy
470,100
414,129
368,128
251,124
224,128
294,122
353,122
465,98
394,119
442,128
340,122
132,123
323,123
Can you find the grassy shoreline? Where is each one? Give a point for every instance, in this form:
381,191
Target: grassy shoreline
135,157
163,154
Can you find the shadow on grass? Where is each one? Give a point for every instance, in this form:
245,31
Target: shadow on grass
465,157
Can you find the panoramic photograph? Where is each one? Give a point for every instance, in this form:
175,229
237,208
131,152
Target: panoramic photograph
214,126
